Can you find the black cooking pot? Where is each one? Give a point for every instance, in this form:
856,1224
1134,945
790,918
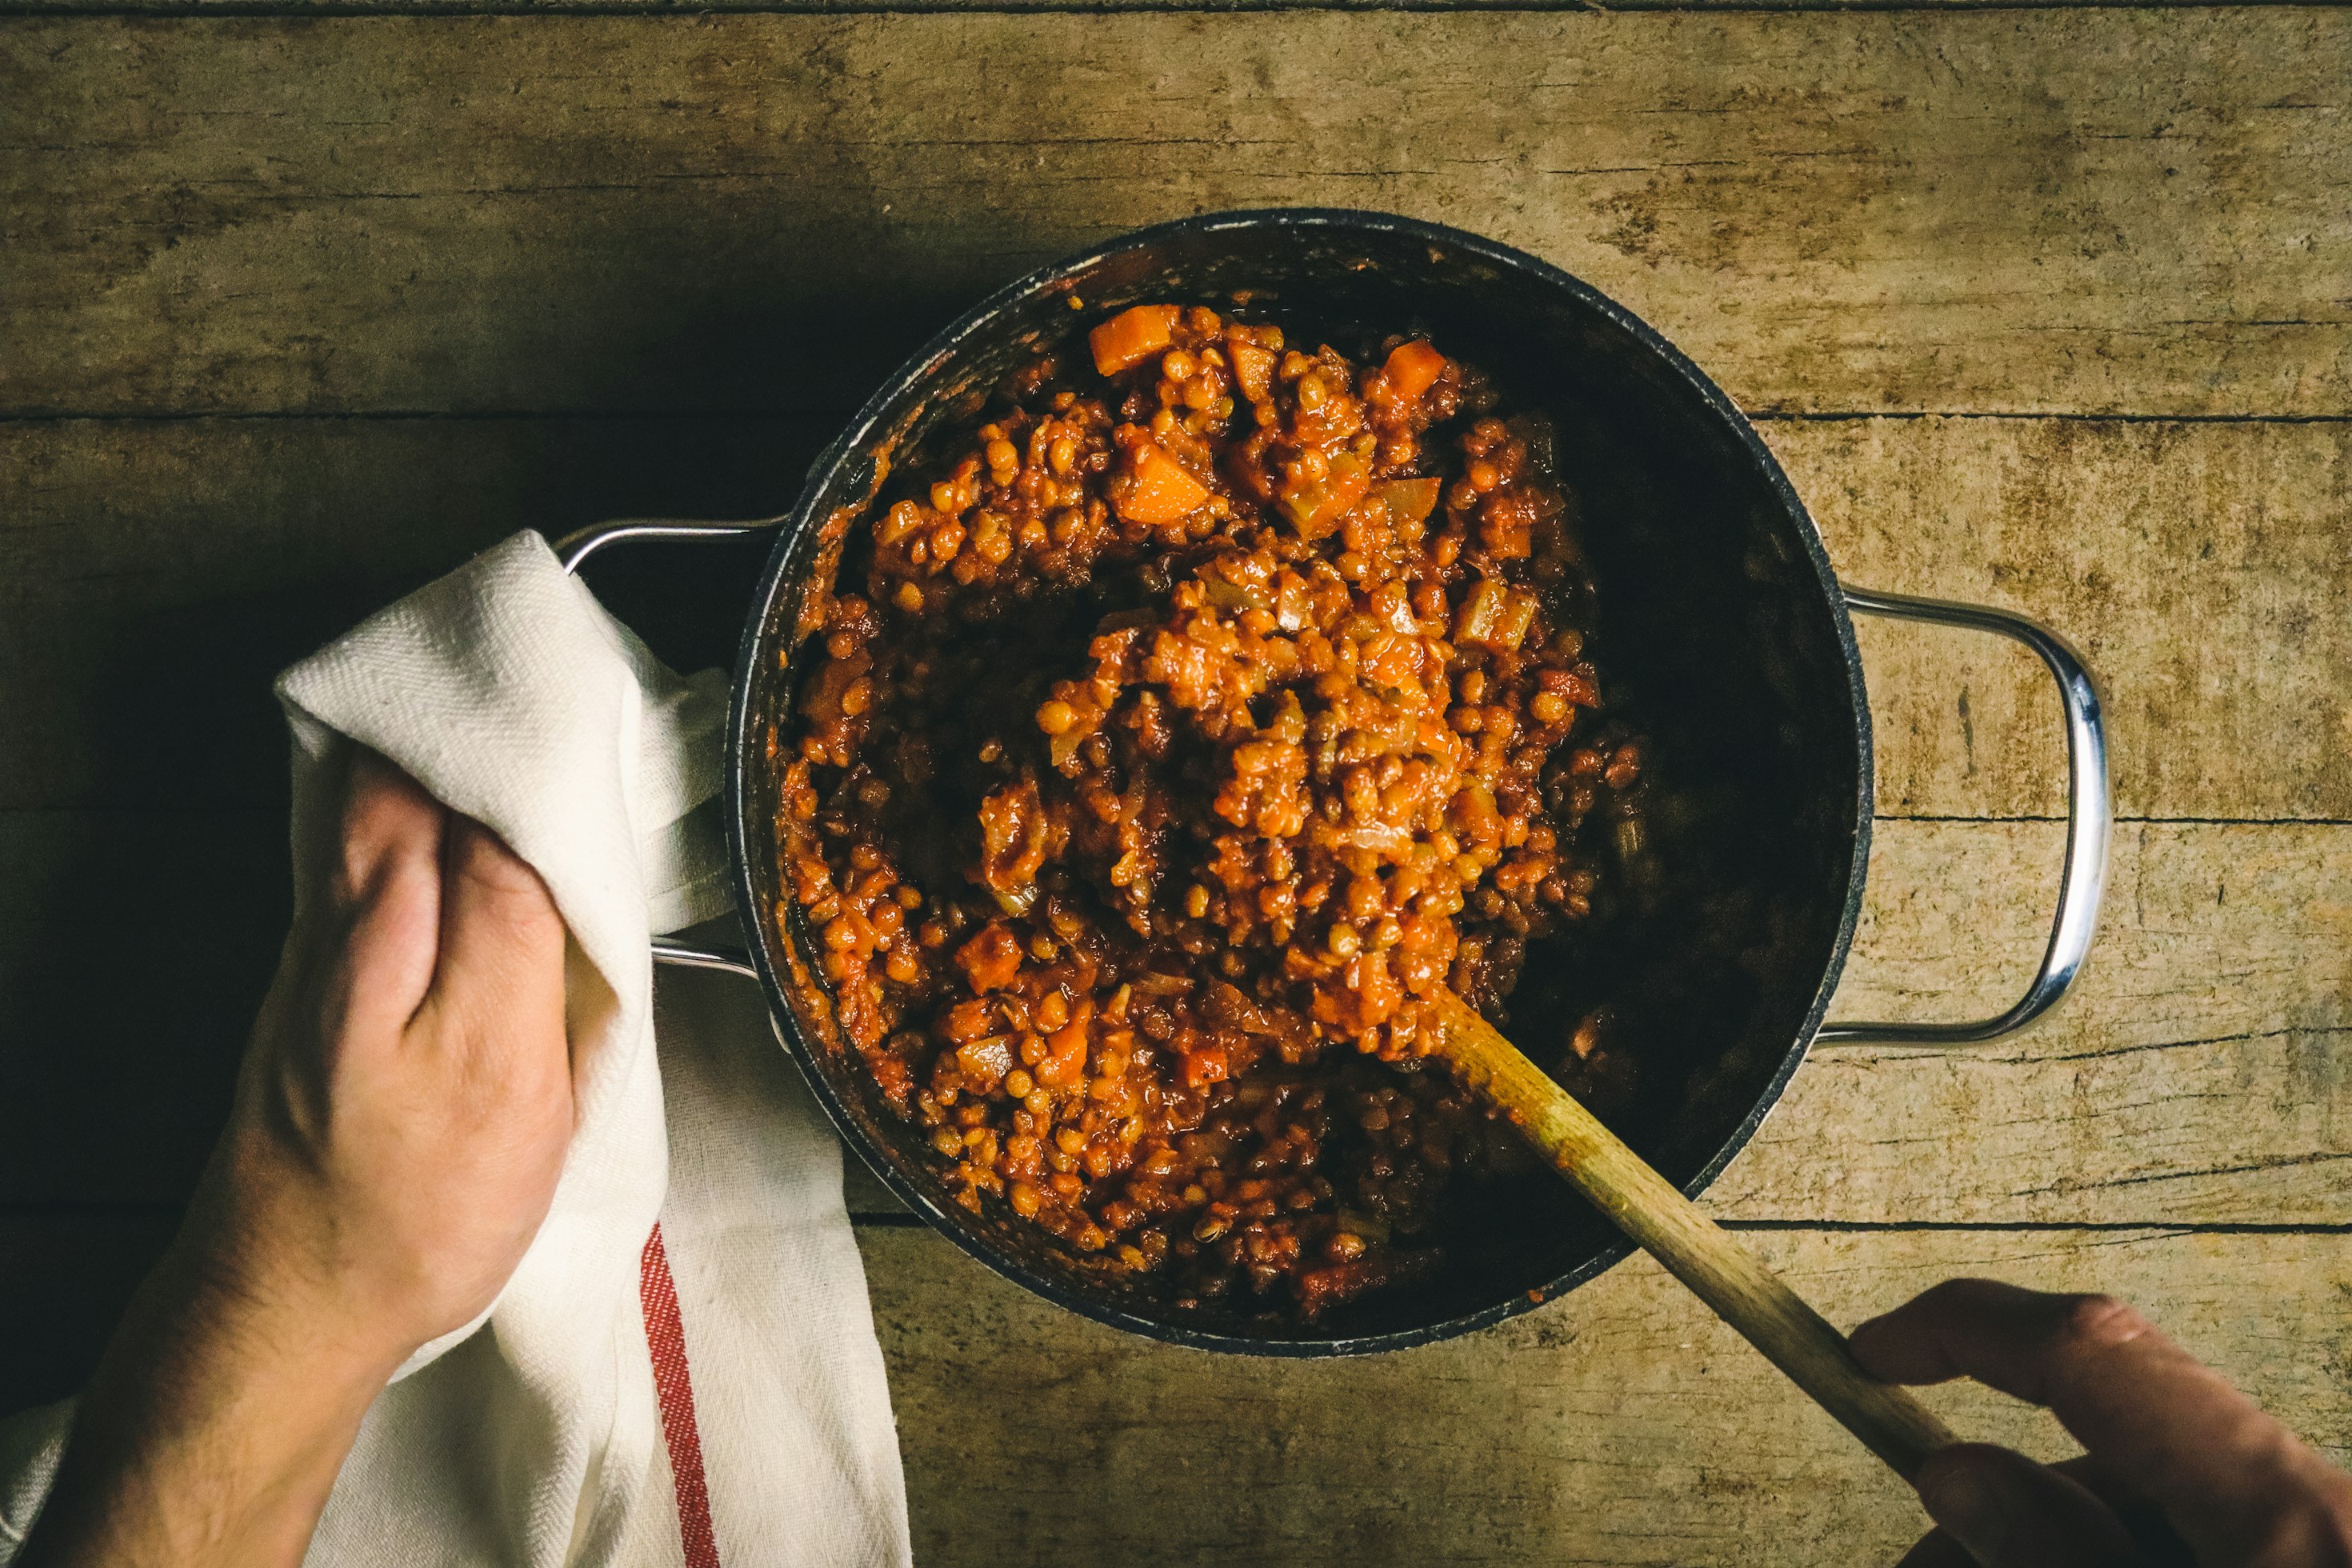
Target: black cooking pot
1720,625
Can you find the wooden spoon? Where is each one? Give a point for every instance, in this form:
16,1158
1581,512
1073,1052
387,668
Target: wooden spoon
1657,1217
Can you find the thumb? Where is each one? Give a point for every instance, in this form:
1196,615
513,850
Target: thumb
2010,1513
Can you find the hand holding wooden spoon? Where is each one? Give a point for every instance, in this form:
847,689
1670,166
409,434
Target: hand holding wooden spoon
1657,1217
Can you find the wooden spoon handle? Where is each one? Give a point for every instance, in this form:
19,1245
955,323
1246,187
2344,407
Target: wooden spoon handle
1667,1226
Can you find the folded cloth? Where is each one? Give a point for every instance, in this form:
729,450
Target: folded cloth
683,1370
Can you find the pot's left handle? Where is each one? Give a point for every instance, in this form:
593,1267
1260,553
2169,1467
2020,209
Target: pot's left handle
574,548
2090,820
683,954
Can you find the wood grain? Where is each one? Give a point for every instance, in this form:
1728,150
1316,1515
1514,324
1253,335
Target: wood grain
1620,1425
134,952
2047,211
182,563
850,7
2202,1071
566,266
155,576
2195,565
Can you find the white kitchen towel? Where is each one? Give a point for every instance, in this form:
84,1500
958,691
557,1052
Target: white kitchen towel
699,1391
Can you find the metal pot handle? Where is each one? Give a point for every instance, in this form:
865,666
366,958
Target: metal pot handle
2090,820
680,953
574,548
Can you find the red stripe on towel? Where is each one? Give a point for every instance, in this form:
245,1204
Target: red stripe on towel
665,1335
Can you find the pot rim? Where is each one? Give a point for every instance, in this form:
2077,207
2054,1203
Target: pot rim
845,451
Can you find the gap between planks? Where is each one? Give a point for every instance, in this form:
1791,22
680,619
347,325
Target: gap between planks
689,8
1827,213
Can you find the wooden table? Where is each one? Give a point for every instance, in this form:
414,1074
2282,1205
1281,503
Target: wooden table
2051,309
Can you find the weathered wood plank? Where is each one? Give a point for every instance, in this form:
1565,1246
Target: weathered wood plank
154,575
2015,211
859,7
2201,1073
2003,212
1620,1425
2195,565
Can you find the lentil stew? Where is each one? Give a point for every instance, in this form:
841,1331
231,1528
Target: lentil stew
1211,697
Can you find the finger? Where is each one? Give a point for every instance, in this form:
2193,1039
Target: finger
2223,1471
386,888
2106,1483
389,826
2158,1541
501,961
2010,1512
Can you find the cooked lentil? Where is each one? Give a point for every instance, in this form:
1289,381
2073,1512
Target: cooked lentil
1212,705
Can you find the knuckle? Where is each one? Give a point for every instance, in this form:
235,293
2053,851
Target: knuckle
347,879
383,840
2097,1321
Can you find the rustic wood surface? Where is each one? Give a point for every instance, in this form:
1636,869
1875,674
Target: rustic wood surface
1624,1425
2141,212
2046,309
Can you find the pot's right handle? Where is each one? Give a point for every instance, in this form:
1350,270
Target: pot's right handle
2090,820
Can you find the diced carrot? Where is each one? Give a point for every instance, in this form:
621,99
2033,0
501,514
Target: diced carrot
1410,502
1206,1066
991,959
1065,1055
1155,488
1413,368
1506,533
1132,336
